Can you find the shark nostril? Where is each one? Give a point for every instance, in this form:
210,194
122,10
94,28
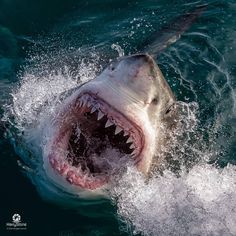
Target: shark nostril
155,101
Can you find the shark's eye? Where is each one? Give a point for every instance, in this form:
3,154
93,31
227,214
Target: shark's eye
169,109
155,101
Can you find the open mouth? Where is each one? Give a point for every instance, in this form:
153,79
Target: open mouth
94,142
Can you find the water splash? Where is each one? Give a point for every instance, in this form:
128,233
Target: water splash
42,88
36,94
199,202
118,48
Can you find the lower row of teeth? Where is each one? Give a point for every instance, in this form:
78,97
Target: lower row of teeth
93,108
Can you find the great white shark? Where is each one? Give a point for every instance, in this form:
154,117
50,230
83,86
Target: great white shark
122,110
123,115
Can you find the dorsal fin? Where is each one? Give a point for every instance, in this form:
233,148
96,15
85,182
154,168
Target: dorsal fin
170,32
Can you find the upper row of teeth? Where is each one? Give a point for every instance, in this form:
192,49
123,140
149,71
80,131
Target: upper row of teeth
109,123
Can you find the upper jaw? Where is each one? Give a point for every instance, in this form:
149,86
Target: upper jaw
93,104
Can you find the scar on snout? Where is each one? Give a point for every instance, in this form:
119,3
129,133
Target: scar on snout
136,73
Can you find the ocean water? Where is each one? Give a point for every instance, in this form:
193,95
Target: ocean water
49,47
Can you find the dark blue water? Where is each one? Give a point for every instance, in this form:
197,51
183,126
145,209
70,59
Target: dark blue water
67,40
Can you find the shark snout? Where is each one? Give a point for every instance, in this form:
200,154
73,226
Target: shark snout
144,63
144,58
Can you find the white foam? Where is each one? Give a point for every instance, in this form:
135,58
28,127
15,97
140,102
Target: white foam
200,202
118,48
41,90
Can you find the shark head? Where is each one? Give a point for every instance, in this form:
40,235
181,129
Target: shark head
116,117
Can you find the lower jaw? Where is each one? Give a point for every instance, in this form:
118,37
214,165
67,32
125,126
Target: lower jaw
69,174
77,179
80,180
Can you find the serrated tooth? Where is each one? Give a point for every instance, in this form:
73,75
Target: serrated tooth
132,146
79,104
118,130
100,115
108,124
133,153
93,110
125,133
88,104
129,140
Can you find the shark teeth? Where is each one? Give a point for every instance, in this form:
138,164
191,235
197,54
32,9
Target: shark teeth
100,115
93,110
79,104
108,123
129,140
94,106
132,146
82,103
133,153
88,104
118,130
